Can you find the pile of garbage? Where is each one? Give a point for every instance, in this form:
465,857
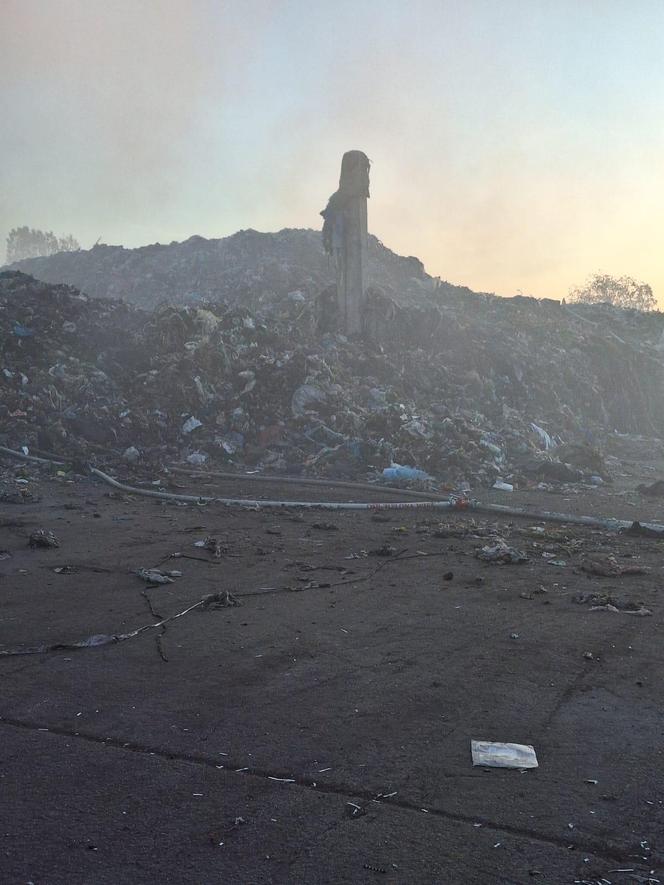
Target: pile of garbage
474,391
249,268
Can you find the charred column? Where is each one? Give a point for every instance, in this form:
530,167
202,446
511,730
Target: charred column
345,238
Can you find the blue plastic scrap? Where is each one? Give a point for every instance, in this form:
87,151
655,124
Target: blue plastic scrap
22,331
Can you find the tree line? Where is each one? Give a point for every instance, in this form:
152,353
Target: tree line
28,242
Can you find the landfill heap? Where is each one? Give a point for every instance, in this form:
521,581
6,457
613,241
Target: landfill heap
249,268
471,390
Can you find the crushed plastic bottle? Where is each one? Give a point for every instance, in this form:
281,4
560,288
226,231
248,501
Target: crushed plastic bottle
192,423
400,471
197,458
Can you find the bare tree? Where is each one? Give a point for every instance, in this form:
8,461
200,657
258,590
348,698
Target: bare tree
619,291
26,242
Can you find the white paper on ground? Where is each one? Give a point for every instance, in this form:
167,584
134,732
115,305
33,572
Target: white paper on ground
497,755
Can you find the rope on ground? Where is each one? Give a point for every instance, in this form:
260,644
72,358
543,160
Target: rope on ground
99,638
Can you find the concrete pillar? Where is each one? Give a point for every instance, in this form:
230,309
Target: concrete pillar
351,291
346,238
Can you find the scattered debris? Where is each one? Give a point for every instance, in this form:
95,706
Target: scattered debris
214,545
155,576
610,603
354,810
642,612
222,599
400,472
609,567
43,538
191,424
385,550
131,455
501,553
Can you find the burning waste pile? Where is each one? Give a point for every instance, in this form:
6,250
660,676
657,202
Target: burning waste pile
455,395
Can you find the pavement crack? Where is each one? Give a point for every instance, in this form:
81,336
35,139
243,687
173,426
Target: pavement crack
346,791
573,686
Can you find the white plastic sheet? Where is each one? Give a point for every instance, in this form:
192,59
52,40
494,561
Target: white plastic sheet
497,755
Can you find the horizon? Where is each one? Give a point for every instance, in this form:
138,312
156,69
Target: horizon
460,285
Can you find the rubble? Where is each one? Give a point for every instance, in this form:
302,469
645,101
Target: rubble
43,538
502,553
213,545
611,602
609,567
469,391
222,599
156,576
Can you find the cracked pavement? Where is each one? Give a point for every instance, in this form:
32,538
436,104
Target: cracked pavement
322,733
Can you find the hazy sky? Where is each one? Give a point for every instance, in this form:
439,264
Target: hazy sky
515,145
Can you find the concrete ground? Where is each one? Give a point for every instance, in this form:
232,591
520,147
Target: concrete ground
320,731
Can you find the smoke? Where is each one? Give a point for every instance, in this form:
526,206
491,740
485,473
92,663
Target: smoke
104,103
513,146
